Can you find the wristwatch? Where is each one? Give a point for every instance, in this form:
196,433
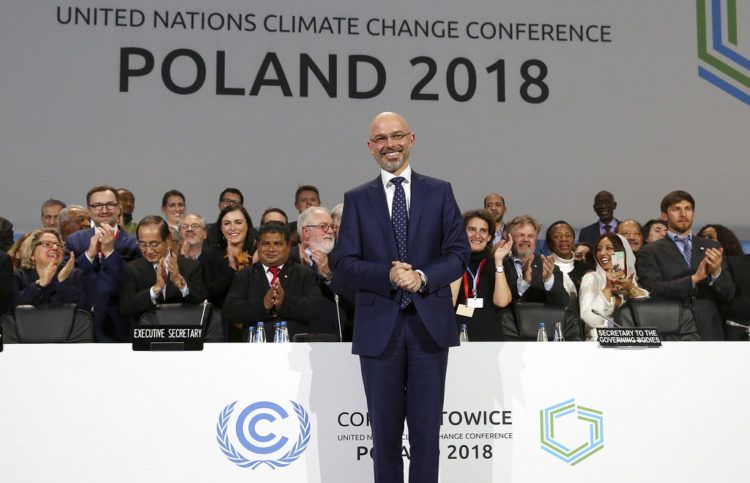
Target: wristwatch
499,269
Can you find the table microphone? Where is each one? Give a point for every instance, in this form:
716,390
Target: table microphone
596,312
338,316
732,323
203,314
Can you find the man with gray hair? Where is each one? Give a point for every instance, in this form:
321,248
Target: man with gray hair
531,278
50,211
315,229
192,233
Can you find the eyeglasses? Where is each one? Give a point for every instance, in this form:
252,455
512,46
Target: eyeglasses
193,226
395,137
152,245
322,226
100,206
49,244
230,201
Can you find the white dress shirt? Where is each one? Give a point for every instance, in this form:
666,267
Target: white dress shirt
390,188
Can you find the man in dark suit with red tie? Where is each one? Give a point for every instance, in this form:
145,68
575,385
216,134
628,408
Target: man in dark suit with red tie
104,250
275,288
687,268
401,243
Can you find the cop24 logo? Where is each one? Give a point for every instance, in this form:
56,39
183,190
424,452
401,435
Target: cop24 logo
723,63
264,429
571,432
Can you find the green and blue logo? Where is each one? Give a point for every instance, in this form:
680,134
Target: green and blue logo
571,432
722,63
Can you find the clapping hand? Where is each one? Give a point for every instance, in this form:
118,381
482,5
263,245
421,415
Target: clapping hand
502,249
67,269
548,267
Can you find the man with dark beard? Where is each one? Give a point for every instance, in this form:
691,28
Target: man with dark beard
687,268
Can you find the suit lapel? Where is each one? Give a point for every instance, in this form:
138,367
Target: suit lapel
376,195
416,205
286,271
120,241
149,272
670,247
149,277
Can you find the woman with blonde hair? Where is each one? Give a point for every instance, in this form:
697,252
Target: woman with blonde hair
43,278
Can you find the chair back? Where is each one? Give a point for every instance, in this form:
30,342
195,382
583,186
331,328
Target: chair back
664,314
528,315
48,324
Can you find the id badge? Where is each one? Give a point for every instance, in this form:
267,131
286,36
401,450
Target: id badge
475,303
464,310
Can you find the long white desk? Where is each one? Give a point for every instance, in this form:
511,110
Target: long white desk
92,413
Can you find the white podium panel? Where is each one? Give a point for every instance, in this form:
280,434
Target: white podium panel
520,412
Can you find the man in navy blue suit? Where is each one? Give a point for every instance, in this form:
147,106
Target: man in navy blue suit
604,206
104,249
401,243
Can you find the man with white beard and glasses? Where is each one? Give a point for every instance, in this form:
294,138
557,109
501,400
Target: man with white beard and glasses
315,228
193,233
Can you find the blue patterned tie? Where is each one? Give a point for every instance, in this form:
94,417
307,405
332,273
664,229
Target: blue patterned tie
685,246
400,222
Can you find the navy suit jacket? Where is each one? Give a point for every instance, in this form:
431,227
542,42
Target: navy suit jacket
105,297
590,234
436,244
662,270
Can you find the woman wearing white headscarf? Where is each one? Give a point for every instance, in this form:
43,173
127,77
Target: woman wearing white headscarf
605,289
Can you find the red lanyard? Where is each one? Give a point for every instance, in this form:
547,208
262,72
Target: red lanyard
474,279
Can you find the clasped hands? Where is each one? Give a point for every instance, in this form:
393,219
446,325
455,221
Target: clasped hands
104,235
173,274
618,281
711,264
274,297
548,268
403,276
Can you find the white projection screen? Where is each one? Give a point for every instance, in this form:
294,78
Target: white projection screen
546,102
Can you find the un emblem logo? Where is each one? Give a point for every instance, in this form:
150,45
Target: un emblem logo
265,430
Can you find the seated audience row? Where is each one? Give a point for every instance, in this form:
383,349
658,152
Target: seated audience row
181,259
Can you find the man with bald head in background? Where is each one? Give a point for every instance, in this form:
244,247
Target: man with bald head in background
604,207
127,205
494,203
401,243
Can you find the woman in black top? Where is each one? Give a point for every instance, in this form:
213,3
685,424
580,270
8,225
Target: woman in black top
43,279
233,253
483,290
